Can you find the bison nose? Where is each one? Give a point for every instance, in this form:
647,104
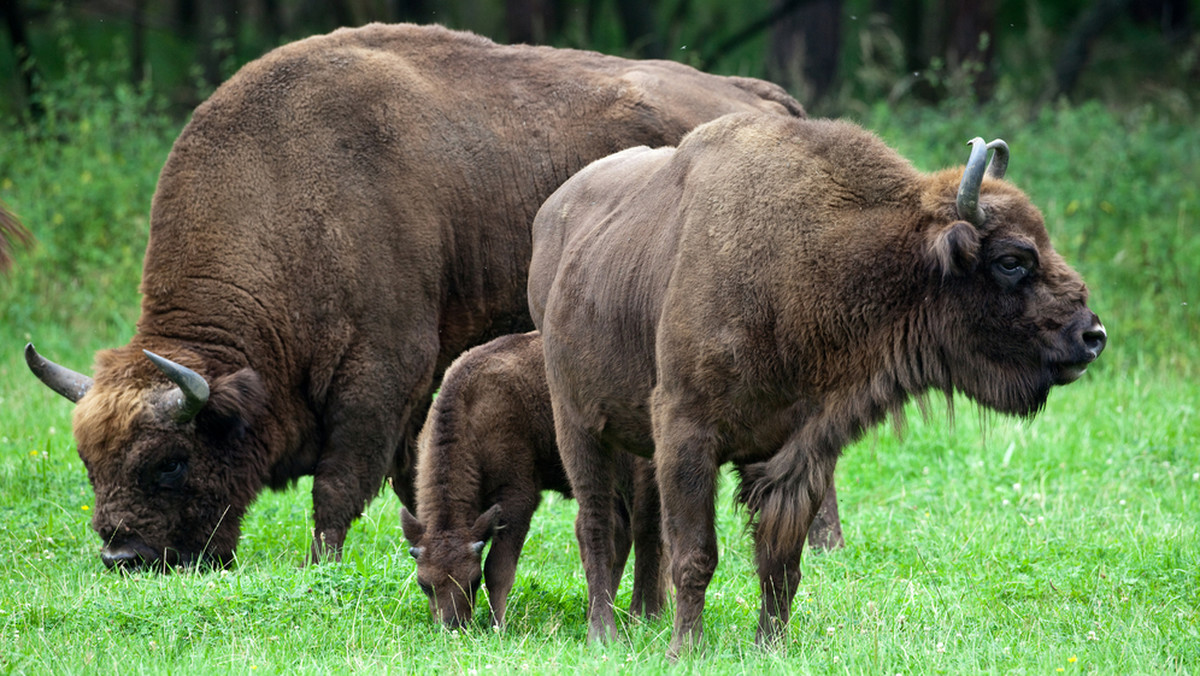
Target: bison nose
1094,340
126,557
454,622
121,559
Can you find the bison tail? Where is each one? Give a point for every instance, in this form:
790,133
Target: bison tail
784,493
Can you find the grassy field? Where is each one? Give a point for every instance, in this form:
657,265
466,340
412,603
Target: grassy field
1067,544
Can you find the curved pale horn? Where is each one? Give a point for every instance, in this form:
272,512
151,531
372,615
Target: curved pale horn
193,388
999,163
968,190
61,379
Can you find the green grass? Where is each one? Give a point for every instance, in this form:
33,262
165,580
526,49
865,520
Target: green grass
1068,542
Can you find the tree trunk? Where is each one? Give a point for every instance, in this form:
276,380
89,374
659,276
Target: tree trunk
14,18
637,19
529,21
968,22
1090,23
137,57
805,48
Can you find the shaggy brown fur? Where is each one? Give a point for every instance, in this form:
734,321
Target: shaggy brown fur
762,295
336,223
11,232
485,455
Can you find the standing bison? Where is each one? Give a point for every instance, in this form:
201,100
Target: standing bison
485,455
336,223
761,296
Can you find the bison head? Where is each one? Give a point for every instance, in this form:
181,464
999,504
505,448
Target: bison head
171,456
449,567
1013,319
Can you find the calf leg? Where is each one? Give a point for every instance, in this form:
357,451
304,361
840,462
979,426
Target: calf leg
622,537
500,569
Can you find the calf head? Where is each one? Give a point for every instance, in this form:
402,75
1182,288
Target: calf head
449,563
1010,317
171,456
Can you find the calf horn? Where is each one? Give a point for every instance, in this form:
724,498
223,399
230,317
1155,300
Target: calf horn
61,379
968,189
192,387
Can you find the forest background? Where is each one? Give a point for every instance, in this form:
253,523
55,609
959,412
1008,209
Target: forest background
1064,543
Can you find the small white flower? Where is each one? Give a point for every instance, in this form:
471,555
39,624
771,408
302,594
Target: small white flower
1017,487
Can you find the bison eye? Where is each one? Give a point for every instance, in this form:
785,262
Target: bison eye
1009,270
170,472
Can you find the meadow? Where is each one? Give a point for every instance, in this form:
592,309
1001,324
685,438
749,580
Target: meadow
1063,544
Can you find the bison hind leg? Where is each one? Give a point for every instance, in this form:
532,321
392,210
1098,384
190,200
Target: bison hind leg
648,569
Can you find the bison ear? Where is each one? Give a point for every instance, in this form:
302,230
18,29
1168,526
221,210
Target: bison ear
954,250
413,530
486,525
235,400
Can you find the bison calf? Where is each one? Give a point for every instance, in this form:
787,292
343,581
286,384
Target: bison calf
485,455
760,296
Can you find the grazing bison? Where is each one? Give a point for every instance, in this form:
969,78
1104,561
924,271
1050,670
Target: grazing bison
11,231
334,225
762,295
485,455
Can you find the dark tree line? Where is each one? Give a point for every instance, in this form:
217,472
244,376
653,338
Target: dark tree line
803,44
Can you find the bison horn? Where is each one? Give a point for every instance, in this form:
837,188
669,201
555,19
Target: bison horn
968,189
62,380
192,387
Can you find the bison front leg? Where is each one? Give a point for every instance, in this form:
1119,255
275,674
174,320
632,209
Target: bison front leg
590,471
366,414
785,515
826,531
687,473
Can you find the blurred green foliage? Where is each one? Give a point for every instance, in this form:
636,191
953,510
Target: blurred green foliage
1148,51
1065,542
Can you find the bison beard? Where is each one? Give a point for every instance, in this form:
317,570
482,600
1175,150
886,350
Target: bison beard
762,295
336,223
